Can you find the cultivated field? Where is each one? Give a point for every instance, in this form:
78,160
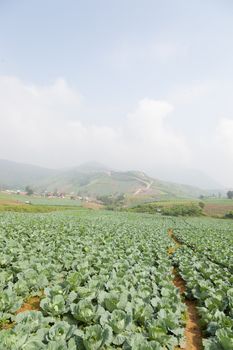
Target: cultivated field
218,207
107,280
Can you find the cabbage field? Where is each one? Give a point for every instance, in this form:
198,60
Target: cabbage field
101,280
205,262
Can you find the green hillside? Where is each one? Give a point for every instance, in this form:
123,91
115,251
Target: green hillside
93,180
100,182
17,175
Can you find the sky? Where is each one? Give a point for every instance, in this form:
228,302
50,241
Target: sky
133,84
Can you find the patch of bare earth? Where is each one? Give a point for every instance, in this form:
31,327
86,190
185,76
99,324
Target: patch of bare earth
213,209
9,202
92,205
193,334
31,304
7,326
171,250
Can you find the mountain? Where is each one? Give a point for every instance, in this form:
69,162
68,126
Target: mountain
188,176
91,167
92,179
17,175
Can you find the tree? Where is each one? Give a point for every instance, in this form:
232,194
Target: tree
29,190
201,205
229,215
230,194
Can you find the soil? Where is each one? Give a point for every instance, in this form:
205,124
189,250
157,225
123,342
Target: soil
171,250
7,326
193,334
170,232
214,209
9,202
32,303
92,205
179,282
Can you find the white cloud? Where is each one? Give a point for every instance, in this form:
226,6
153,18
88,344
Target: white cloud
192,93
151,140
42,125
225,136
45,125
216,154
224,150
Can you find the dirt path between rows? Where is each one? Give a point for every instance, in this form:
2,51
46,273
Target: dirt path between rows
193,334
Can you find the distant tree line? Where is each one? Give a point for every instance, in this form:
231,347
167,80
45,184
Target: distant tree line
29,191
229,215
230,194
111,201
188,209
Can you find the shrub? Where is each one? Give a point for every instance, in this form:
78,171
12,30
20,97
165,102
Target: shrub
201,205
182,210
229,215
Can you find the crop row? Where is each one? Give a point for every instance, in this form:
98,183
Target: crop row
213,238
207,273
104,282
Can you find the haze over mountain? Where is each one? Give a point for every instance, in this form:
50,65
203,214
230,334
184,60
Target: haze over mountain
192,177
14,174
91,179
135,85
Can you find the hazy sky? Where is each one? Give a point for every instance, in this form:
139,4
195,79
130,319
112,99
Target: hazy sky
130,83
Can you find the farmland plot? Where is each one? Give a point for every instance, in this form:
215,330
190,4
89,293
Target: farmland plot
103,280
97,281
205,262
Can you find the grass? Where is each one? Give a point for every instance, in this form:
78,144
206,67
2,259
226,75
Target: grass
16,203
213,207
39,200
218,200
165,203
26,208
